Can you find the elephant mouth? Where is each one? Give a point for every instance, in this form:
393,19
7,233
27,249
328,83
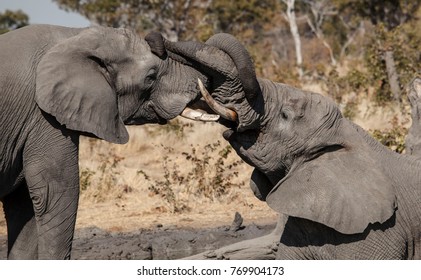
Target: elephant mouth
242,143
228,134
198,112
144,115
205,109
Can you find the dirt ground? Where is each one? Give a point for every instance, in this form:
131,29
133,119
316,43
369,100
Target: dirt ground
117,230
159,242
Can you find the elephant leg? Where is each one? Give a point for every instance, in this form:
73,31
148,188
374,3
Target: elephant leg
52,174
22,232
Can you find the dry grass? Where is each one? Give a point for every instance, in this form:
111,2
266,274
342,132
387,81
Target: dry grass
182,174
191,162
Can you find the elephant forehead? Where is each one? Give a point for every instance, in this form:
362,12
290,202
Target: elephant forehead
121,42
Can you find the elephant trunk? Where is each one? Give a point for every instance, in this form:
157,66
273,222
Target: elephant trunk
242,60
196,52
226,56
217,43
158,45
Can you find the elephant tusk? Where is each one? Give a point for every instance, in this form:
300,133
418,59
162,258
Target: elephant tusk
195,115
226,113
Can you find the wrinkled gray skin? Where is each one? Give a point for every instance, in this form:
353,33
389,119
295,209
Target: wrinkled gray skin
57,83
344,195
413,139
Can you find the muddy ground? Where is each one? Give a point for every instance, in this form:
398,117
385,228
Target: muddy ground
160,243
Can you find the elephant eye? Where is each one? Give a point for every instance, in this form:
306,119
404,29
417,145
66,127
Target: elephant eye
285,114
101,63
151,77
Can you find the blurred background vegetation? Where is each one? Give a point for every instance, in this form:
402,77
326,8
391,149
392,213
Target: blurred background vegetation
10,20
370,44
345,45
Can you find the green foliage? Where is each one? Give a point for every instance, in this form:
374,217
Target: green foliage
404,44
103,12
391,13
354,81
376,65
350,109
254,21
173,18
243,15
393,138
10,20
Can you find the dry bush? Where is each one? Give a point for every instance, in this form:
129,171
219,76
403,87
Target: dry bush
393,137
174,166
203,172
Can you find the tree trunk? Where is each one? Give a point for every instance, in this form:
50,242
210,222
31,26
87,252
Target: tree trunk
413,139
319,34
392,75
327,45
290,16
351,37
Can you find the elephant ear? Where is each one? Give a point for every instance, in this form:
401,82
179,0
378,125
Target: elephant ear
343,188
74,84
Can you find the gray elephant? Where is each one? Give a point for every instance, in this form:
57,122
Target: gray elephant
340,193
58,83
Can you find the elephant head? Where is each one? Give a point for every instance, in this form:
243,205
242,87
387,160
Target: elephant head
231,78
310,162
103,78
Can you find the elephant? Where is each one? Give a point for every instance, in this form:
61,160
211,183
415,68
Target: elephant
57,83
340,193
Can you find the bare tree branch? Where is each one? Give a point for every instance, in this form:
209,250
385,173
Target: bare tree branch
320,10
290,17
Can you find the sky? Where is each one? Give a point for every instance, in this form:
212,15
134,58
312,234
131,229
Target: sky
44,11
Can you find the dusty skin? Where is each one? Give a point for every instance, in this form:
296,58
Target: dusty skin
121,216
